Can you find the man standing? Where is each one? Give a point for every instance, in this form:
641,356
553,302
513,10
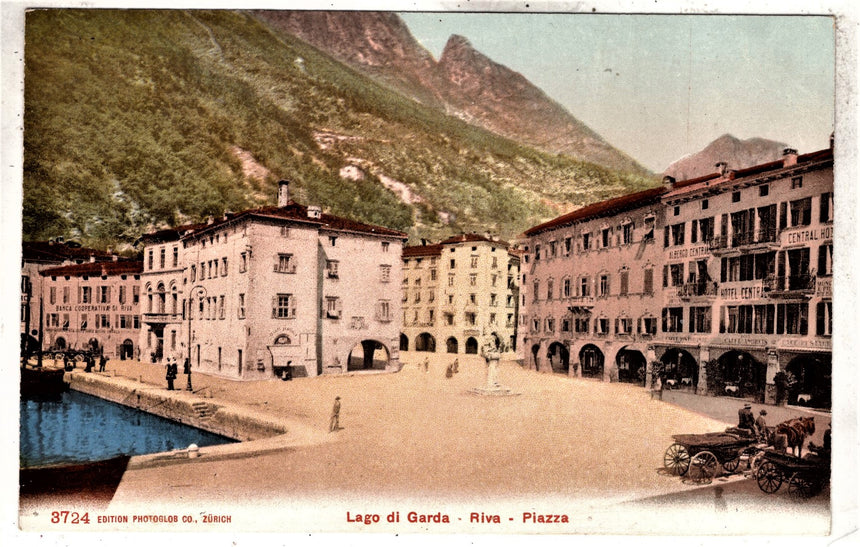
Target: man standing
761,426
746,419
186,368
334,424
102,362
171,375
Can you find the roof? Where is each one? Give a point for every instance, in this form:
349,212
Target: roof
96,269
170,234
604,208
715,179
298,212
473,237
422,250
49,251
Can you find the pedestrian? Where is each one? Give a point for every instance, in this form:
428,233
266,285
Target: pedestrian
334,424
102,362
66,365
746,420
90,363
186,368
170,376
426,364
657,390
761,426
449,371
455,366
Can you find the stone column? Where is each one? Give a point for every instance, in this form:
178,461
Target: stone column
772,369
704,357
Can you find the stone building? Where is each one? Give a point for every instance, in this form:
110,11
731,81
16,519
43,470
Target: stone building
282,291
721,281
456,291
93,306
590,302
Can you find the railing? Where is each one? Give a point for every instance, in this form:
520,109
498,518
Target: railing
161,317
804,282
701,288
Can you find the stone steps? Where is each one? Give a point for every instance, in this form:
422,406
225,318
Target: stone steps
203,410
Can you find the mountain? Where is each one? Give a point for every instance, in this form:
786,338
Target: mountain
139,119
736,153
464,82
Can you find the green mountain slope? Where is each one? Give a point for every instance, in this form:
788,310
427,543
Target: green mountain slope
137,119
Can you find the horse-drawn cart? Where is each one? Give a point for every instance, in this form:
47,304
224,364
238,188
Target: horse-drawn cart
806,476
696,456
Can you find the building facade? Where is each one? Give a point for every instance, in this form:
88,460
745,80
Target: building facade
457,291
92,307
735,271
287,291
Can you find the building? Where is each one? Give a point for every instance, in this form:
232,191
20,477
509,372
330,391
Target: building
743,259
457,291
589,298
93,306
284,290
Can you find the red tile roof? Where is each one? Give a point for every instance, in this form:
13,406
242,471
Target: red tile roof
422,250
96,269
170,234
465,238
47,251
604,208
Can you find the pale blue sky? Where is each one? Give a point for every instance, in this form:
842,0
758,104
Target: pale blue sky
662,86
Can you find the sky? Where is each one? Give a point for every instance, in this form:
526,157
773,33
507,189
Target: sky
659,87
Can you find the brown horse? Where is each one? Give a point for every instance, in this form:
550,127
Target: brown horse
796,430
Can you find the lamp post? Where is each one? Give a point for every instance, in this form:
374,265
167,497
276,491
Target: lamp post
201,291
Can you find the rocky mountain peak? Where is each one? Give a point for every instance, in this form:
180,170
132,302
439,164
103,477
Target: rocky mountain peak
736,153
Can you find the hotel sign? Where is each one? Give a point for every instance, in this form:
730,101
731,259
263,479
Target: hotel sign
690,252
807,235
749,292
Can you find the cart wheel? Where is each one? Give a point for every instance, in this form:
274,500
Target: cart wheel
676,459
802,486
730,466
703,467
769,477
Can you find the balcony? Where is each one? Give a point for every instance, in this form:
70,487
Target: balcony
763,238
793,286
162,317
688,291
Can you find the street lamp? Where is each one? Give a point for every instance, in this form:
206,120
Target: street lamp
201,291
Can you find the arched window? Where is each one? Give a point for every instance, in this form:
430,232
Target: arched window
282,340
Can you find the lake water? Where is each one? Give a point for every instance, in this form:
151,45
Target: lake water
77,428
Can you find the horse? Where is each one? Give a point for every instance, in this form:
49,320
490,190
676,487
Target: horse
796,430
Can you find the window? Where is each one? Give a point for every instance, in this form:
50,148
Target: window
52,295
433,274
224,267
580,325
202,270
586,241
213,268
825,259
625,325
221,307
825,207
104,295
700,319
493,300
649,325
763,190
601,326
536,293
175,257
673,319
285,264
537,253
84,324
627,234
550,324
103,321
53,320
332,307
736,197
284,307
624,278
149,260
705,204
605,237
66,295
473,279
383,311
552,249
193,273
86,295
474,262
676,276
449,318
385,246
676,211
795,318
332,240
549,291
162,258
824,319
603,285
331,269
648,281
495,262
243,264
450,280
796,182
677,234
584,286
122,295
800,212
453,262
241,309
565,324
384,273
135,295
565,287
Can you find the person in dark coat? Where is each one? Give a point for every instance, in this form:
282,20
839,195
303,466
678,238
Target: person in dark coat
102,362
186,368
90,363
170,375
334,424
761,426
746,419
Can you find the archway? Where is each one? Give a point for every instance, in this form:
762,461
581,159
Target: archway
60,343
812,380
404,342
536,356
680,370
451,345
591,359
93,346
559,357
743,375
425,342
471,345
126,349
368,355
631,366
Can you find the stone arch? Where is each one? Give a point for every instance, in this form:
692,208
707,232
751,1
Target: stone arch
161,298
451,345
813,380
404,342
631,364
471,345
126,349
559,357
425,342
60,343
368,355
591,361
743,375
680,369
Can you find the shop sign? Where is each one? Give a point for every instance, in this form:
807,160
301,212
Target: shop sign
740,341
824,287
807,235
806,344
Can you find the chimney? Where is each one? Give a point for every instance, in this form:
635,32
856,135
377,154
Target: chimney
115,258
832,138
789,157
423,242
210,220
283,193
668,182
314,211
721,168
92,258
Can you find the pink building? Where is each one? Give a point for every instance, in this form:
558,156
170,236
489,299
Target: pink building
93,306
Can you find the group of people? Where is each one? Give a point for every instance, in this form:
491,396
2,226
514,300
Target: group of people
756,426
173,371
89,362
452,369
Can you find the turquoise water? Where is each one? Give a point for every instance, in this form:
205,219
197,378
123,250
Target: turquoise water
78,428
